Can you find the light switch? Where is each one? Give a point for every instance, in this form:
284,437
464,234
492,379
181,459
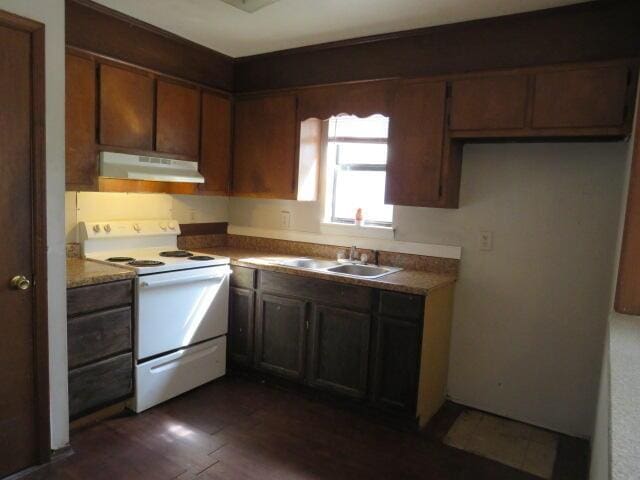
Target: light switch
486,240
285,219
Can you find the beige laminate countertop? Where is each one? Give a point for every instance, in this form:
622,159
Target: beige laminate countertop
81,272
407,281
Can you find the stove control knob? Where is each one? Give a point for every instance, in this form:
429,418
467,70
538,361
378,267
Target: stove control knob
163,225
107,228
96,228
136,227
172,225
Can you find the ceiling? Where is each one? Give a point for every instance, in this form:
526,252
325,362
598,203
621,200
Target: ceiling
295,23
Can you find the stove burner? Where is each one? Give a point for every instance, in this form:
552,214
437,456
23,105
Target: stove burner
120,259
200,258
176,253
145,263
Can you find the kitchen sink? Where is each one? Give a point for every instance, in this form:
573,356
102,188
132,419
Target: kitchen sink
367,271
307,263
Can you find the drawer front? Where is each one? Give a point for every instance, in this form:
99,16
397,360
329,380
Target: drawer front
99,297
100,383
98,335
401,305
324,291
243,277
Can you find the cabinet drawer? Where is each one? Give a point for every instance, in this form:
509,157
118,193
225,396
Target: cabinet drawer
243,277
349,296
401,305
99,384
98,335
99,297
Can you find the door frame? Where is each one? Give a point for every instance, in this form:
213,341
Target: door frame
39,228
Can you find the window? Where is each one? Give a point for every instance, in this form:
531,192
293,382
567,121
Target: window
356,153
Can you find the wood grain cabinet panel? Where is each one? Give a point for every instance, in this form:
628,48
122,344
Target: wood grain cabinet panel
126,108
280,336
416,132
339,351
489,103
215,153
80,119
177,119
92,298
241,307
265,140
580,98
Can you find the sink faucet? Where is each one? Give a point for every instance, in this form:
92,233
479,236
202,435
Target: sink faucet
352,253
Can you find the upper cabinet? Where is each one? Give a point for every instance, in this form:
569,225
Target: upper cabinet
265,147
416,130
177,119
126,108
215,154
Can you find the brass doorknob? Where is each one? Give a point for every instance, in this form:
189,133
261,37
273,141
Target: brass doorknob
20,282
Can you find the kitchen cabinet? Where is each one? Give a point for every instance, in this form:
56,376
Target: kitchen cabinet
489,103
241,305
126,108
80,123
265,144
339,350
99,344
177,119
280,336
215,141
416,132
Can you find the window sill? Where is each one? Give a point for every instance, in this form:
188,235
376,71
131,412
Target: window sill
370,231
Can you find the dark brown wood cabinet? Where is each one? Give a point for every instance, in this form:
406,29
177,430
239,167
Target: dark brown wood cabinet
280,335
265,143
494,102
241,315
126,108
177,119
100,344
339,350
80,119
215,144
581,97
416,137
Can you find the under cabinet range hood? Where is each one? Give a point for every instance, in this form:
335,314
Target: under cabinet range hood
140,167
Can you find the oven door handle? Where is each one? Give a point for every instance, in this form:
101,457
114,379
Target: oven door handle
149,283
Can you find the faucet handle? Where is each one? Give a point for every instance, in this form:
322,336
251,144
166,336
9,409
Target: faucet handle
364,257
340,255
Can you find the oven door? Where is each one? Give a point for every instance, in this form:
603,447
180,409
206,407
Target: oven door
177,309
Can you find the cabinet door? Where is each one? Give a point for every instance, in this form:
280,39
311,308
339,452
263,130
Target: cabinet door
177,119
489,103
339,351
126,108
265,142
280,336
215,154
80,119
416,132
582,98
241,325
396,358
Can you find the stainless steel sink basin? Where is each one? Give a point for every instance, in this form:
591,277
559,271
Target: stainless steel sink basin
307,263
367,271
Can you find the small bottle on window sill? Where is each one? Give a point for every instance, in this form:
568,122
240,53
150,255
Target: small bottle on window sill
359,217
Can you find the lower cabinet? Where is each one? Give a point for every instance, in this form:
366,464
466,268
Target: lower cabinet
339,350
280,336
241,301
396,363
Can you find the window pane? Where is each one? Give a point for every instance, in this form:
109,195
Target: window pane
359,153
375,126
364,190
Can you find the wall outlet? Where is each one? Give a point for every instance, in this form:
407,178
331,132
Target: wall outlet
285,219
486,241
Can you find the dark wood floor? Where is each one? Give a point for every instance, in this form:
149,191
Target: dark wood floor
237,428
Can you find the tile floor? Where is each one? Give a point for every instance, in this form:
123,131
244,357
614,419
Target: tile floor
516,444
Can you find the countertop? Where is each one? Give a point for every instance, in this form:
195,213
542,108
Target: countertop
81,272
406,281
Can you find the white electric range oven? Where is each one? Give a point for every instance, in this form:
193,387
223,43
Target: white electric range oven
181,305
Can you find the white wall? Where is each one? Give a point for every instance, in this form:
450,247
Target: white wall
95,206
530,315
51,13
